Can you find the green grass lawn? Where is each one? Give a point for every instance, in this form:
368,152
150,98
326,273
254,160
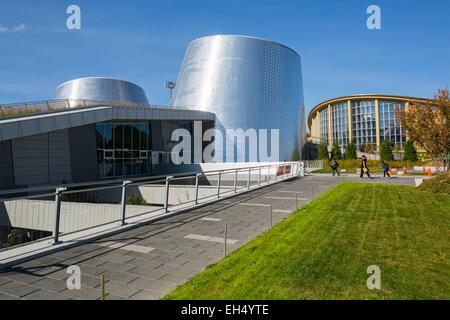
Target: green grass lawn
323,251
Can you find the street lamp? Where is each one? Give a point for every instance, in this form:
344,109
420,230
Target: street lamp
329,149
170,85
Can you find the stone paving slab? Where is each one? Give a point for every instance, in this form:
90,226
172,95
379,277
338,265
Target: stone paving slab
140,273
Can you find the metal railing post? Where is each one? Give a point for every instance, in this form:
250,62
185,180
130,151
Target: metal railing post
271,216
249,177
235,180
124,201
103,287
58,194
218,184
225,236
196,187
166,200
259,177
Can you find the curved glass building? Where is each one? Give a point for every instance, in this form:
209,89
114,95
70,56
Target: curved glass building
367,120
248,83
101,89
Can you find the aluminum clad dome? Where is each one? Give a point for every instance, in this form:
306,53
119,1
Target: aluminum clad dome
247,82
101,89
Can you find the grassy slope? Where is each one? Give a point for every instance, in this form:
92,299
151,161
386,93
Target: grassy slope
438,184
323,251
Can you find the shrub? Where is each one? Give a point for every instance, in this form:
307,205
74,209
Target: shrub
136,199
336,152
410,152
323,151
386,150
350,151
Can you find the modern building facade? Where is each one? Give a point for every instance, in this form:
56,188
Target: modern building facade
112,134
99,128
248,83
366,119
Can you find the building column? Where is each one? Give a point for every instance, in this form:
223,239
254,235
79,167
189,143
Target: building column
406,110
318,126
330,126
377,123
349,109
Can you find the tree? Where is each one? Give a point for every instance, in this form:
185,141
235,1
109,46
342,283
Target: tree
410,152
386,150
336,152
323,151
350,151
428,124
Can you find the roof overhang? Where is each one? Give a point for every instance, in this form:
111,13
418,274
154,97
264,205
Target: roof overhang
27,125
325,104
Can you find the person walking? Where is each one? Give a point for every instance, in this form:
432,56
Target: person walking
385,167
364,167
335,166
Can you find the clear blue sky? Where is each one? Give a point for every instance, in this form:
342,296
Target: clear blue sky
144,42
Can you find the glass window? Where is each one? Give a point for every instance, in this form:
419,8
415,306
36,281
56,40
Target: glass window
127,137
100,134
123,149
323,119
340,123
118,167
135,145
364,123
118,136
144,136
108,132
390,127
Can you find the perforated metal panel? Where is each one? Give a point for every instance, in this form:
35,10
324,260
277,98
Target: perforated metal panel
248,83
101,89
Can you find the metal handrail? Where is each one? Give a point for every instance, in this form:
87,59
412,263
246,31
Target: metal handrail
59,191
120,181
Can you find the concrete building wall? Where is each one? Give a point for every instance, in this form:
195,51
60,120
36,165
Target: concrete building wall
41,159
6,165
83,153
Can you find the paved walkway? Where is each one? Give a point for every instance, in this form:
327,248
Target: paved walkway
150,261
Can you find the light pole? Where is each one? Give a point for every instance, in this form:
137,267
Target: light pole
170,85
329,149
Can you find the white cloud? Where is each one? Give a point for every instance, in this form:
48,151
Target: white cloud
3,29
20,27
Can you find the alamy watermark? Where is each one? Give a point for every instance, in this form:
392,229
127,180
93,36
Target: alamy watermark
73,282
73,21
374,20
374,280
238,145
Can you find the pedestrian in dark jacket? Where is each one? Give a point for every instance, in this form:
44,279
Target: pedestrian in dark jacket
385,167
364,167
335,166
